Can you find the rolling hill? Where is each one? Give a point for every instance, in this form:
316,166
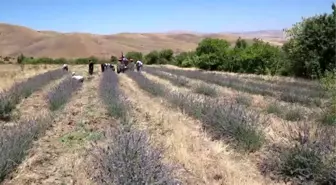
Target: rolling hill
18,39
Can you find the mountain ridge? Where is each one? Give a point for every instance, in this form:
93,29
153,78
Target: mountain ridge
16,39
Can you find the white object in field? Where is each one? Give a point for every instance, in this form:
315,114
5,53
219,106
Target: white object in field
77,77
65,65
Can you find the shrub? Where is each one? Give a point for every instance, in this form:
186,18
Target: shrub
308,159
15,140
134,55
205,89
274,108
244,99
130,159
61,93
152,57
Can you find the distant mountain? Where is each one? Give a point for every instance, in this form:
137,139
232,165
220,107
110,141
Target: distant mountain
18,39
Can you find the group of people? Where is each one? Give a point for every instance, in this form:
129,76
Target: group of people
124,62
123,65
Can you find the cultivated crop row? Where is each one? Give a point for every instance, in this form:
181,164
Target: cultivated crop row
10,98
308,156
130,157
223,119
289,112
289,94
15,140
282,81
61,93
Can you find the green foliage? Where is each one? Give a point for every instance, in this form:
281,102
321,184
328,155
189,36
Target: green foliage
185,59
212,46
45,60
134,55
328,82
152,57
20,58
114,59
165,56
311,45
240,44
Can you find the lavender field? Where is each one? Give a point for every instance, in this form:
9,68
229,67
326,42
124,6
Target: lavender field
165,125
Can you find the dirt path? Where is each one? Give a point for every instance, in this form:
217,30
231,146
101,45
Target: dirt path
204,161
59,156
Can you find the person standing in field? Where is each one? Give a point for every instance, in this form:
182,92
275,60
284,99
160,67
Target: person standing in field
138,65
90,67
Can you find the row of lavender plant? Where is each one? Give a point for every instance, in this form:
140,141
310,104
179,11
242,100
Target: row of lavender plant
130,157
16,140
308,158
174,79
223,119
290,113
288,94
286,82
59,95
10,98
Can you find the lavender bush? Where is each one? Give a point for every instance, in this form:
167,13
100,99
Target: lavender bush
153,88
60,94
288,94
11,97
290,113
15,140
110,94
205,89
308,159
298,83
224,119
174,79
130,157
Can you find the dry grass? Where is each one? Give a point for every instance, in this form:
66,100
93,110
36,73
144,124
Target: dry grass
11,73
16,39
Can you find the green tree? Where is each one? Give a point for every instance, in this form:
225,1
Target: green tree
241,43
134,55
20,58
152,57
210,46
114,59
311,45
185,59
166,56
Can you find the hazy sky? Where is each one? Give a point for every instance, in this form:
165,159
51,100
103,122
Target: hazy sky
113,16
